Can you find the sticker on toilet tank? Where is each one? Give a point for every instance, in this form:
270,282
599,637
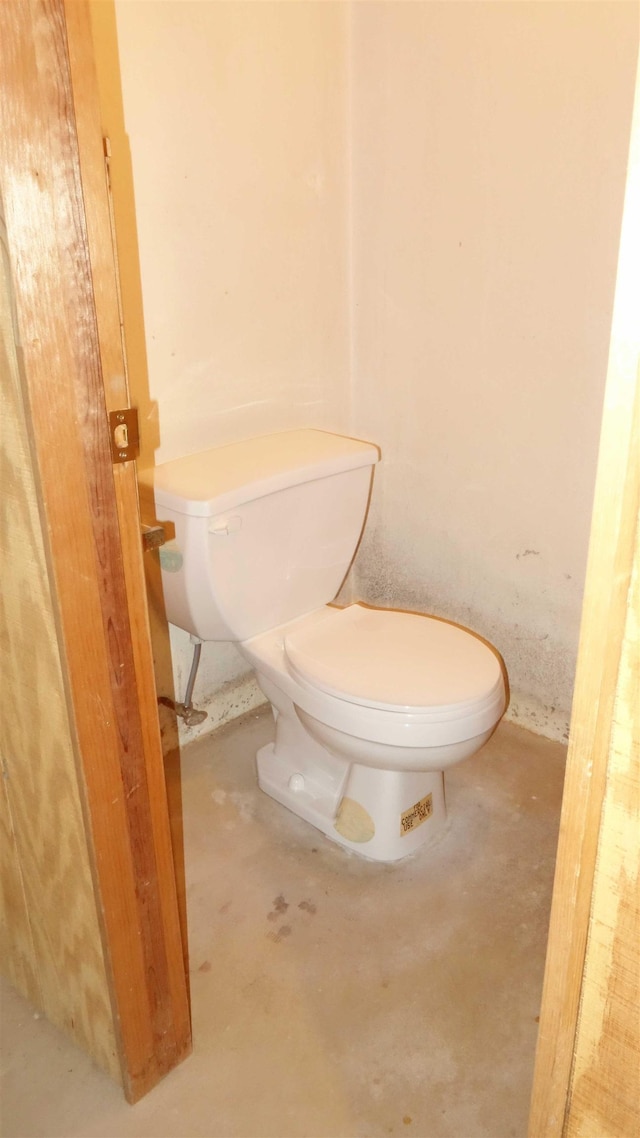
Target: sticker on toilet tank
413,817
171,558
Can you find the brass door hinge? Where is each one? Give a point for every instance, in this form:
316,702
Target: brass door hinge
124,434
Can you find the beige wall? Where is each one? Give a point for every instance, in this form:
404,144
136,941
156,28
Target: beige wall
400,220
489,145
235,118
235,115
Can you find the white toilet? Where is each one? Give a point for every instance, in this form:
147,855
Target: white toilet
371,705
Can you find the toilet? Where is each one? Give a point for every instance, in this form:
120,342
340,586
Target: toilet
371,705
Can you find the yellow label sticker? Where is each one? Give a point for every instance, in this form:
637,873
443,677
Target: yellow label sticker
413,817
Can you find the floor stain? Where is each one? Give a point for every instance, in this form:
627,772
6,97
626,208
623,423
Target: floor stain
281,934
308,907
205,966
357,983
280,907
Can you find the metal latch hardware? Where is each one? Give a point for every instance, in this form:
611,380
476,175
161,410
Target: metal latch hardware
153,537
124,434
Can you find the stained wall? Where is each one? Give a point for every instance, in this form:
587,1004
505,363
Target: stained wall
489,150
400,221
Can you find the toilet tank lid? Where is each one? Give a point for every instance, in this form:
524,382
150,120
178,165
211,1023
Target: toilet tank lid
220,479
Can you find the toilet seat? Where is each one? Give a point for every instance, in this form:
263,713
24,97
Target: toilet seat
395,662
283,655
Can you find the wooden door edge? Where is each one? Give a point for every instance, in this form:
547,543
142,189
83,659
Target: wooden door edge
103,255
132,861
607,586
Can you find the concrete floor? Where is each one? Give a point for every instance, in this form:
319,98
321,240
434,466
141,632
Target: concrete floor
334,997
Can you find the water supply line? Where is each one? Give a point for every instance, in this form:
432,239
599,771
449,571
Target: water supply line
191,716
186,709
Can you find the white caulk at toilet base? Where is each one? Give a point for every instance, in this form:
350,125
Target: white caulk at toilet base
371,705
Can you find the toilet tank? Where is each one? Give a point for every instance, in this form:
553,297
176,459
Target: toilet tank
265,529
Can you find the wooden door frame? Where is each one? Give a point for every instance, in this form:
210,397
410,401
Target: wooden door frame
58,223
613,557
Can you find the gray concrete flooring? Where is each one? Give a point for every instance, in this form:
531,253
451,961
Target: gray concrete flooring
334,997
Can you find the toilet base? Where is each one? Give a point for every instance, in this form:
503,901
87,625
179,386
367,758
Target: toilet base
380,814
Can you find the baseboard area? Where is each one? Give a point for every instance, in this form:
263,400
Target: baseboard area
228,702
238,696
527,711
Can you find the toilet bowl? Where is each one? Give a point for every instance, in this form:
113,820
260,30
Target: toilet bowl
371,705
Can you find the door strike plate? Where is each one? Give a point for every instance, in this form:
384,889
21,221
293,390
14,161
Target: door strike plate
124,434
